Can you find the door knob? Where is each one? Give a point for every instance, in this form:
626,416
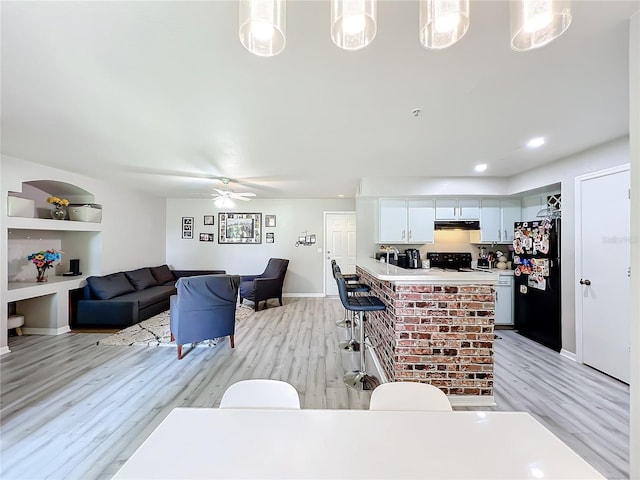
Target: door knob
585,282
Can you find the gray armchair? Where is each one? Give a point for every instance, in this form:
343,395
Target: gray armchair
203,309
267,285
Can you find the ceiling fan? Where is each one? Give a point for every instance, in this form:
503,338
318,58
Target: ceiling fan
224,197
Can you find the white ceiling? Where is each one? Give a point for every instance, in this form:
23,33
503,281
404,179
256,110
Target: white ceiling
161,95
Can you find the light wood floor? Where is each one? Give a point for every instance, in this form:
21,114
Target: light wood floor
71,409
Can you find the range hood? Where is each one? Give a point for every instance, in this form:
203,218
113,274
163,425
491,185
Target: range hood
457,225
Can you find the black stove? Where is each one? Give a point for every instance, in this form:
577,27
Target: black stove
460,262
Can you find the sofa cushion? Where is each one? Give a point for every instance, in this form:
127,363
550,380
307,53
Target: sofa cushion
162,274
149,296
141,278
109,286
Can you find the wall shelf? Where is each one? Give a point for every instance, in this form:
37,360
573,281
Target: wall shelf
50,224
56,284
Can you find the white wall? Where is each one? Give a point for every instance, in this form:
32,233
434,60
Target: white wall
564,172
366,226
293,217
634,129
133,224
436,186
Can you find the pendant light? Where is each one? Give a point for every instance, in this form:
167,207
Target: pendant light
443,22
353,23
262,26
534,23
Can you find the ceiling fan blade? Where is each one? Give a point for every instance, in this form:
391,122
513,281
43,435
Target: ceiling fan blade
244,199
244,194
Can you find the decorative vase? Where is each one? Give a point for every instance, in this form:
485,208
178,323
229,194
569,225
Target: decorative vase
59,212
42,274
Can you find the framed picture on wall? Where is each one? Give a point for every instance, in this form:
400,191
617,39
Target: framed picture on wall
208,219
269,220
187,227
240,228
206,237
269,237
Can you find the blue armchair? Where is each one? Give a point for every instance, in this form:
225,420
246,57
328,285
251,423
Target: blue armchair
267,285
203,309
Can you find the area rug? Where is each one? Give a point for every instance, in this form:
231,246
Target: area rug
154,332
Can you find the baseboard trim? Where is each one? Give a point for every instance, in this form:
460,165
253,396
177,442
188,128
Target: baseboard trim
302,295
472,400
376,363
568,354
4,350
45,331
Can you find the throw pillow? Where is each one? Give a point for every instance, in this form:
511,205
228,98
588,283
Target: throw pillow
109,286
141,278
162,274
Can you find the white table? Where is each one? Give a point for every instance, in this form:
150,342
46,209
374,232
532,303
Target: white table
343,444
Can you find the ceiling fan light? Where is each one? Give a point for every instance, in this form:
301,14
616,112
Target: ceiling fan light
262,26
224,202
534,23
443,22
353,23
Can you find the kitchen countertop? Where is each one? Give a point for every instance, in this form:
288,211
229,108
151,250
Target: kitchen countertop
402,276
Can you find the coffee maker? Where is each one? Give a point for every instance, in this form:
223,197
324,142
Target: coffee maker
413,258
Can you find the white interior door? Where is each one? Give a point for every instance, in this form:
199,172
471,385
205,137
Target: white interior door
340,244
604,273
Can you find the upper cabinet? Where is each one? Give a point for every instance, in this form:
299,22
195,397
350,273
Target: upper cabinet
496,221
406,221
532,205
457,209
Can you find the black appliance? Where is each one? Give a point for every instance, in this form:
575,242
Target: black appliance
401,262
483,263
413,258
536,258
457,225
74,265
450,261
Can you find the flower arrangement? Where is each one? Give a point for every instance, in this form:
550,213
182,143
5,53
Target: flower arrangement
59,202
44,260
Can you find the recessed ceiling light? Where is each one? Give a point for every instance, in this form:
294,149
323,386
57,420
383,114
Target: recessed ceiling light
480,168
341,195
535,142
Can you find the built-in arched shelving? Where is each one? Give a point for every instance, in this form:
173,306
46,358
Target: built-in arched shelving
46,305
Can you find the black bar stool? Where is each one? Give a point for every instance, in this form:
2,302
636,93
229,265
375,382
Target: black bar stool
348,277
351,345
359,305
352,288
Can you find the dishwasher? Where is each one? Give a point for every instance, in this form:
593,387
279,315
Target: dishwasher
504,300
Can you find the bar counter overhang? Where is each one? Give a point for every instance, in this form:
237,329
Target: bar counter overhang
438,328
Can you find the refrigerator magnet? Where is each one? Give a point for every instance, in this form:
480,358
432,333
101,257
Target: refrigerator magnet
544,244
523,289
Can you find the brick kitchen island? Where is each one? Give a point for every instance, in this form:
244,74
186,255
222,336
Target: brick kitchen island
437,328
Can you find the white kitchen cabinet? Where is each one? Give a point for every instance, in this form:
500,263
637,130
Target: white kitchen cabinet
504,300
496,220
533,204
406,221
510,212
457,209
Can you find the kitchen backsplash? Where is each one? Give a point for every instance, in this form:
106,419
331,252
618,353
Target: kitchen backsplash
453,241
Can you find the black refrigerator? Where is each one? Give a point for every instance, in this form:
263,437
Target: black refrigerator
536,257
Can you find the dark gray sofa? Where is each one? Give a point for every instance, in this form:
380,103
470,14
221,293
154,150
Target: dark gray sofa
122,299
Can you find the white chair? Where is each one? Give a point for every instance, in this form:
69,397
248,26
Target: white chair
409,396
261,393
